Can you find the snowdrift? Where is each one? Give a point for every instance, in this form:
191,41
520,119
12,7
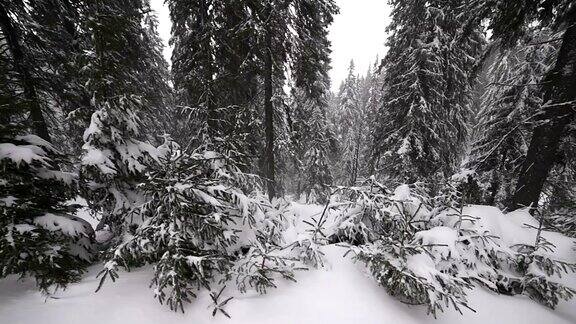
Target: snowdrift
341,292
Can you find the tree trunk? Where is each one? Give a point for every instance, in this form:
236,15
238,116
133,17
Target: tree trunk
29,89
213,121
355,162
557,113
269,116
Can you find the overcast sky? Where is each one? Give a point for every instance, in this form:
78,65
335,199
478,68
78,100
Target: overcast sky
356,34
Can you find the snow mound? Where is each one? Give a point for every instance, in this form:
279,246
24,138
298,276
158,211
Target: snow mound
341,292
22,153
69,225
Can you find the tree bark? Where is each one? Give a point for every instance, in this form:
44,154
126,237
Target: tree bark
557,113
212,119
354,175
29,88
269,115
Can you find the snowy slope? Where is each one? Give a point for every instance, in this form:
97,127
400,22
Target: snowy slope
340,293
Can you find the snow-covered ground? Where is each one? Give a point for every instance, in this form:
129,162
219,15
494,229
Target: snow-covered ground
342,292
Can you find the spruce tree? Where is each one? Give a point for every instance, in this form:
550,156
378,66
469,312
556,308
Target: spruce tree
347,117
39,236
59,43
310,61
510,21
154,76
509,108
374,101
559,93
352,130
14,21
193,66
318,177
422,121
311,144
215,74
232,57
114,156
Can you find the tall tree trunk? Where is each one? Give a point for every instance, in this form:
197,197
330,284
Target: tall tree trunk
212,119
558,112
269,116
354,176
12,39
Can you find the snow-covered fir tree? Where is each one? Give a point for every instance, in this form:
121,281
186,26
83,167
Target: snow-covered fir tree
202,222
114,156
59,40
215,72
154,76
428,250
348,120
422,119
375,88
357,95
311,135
509,105
509,22
191,185
238,166
311,143
39,236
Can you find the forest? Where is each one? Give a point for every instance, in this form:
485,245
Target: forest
446,170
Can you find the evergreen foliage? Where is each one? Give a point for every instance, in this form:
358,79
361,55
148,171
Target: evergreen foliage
349,120
174,161
39,236
114,156
357,100
427,250
202,222
310,140
509,106
427,80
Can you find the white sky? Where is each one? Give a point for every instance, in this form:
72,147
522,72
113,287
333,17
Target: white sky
164,24
356,34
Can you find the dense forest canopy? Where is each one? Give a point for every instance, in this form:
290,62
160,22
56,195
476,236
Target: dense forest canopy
190,166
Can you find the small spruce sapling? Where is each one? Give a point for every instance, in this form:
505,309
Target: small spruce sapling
39,235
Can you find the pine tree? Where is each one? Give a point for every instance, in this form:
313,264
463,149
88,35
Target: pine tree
154,76
192,63
508,110
311,144
39,236
317,171
559,91
114,157
510,21
215,74
310,64
422,122
348,127
429,249
352,119
13,15
58,44
203,221
202,217
232,57
374,101
311,53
